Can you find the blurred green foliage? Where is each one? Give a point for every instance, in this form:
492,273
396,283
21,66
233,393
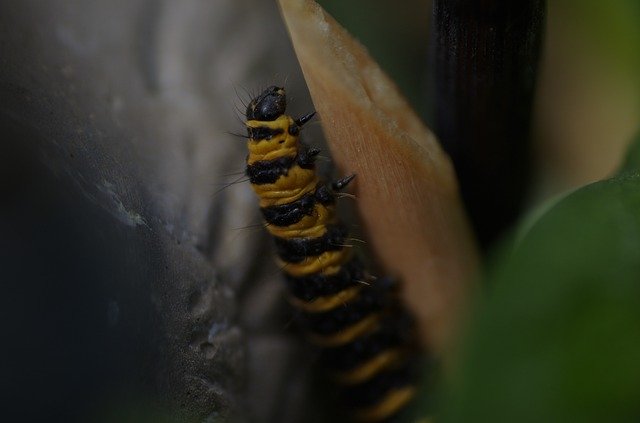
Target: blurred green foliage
396,37
557,334
612,28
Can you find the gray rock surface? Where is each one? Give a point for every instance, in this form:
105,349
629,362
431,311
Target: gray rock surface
136,286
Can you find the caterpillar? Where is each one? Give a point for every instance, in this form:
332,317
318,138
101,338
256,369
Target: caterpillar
366,338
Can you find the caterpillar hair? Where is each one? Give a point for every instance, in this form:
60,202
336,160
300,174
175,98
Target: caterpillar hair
366,337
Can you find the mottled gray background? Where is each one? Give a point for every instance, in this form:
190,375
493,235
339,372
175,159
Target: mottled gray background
134,286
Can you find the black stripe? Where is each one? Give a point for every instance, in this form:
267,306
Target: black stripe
268,171
291,213
397,330
374,390
263,133
368,302
294,250
307,288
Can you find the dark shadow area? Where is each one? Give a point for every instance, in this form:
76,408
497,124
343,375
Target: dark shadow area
77,320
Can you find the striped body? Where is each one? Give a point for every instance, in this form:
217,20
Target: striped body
365,336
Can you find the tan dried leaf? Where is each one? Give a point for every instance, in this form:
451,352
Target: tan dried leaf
406,187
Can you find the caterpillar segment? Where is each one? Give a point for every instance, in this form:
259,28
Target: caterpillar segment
366,338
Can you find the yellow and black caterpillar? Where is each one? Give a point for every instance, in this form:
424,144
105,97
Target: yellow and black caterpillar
367,339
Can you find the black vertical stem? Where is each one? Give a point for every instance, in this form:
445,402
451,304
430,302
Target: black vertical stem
485,58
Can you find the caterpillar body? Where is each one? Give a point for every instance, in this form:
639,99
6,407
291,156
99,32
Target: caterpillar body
366,338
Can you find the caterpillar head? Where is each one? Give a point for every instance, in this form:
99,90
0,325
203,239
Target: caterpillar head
267,106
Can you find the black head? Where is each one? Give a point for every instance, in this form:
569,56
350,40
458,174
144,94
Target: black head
267,106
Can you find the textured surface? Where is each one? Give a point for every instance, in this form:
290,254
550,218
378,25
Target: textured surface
134,282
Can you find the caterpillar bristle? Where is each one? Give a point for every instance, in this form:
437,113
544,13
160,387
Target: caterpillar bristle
304,119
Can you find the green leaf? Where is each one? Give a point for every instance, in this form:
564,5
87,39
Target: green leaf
557,338
632,160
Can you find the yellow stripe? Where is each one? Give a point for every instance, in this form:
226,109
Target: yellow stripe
282,122
287,188
327,263
312,226
347,335
308,227
327,302
275,151
392,403
370,368
281,145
